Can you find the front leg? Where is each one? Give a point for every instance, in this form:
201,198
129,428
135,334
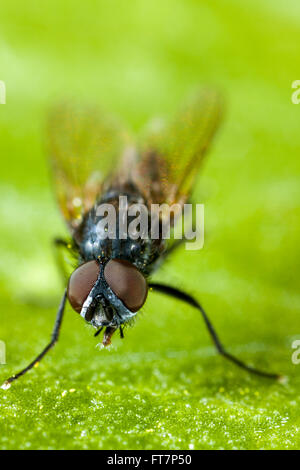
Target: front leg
61,245
54,339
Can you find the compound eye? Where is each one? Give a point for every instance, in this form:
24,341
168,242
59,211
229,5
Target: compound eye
126,281
81,283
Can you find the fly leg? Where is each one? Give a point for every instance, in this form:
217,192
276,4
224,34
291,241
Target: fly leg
180,295
42,301
175,245
60,244
54,339
193,231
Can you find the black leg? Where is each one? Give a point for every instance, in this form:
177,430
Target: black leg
178,294
175,245
121,332
54,338
60,244
99,331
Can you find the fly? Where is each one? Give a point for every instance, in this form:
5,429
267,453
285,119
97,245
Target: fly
95,163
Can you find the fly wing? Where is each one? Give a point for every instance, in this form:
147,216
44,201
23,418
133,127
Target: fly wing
84,149
172,154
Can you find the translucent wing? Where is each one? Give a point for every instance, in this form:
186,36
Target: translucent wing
84,149
171,155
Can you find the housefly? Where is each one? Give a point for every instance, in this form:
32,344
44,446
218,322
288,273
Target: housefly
94,162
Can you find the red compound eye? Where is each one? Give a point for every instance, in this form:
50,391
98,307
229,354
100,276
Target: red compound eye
126,281
81,283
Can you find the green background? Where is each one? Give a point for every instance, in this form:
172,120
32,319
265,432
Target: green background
164,386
